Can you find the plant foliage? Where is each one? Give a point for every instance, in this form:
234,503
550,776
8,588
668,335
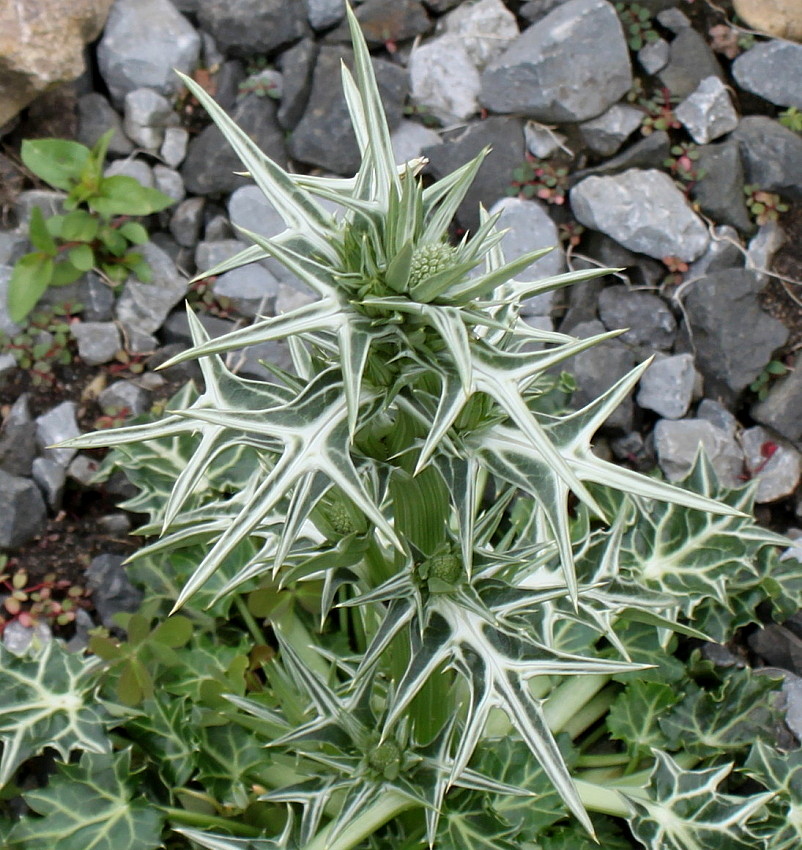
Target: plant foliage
416,609
95,230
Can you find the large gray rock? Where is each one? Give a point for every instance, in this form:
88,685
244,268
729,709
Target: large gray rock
720,189
505,138
772,155
147,114
605,135
690,61
529,227
410,138
98,342
484,27
42,45
297,65
771,69
646,316
143,307
667,386
144,41
677,442
112,591
773,463
324,136
58,424
22,511
732,336
18,439
211,162
444,81
252,289
95,117
644,211
250,27
597,369
555,71
781,409
707,112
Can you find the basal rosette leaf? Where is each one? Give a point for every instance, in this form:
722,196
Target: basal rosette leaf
684,810
528,816
230,761
95,804
165,730
780,772
634,716
704,560
49,701
468,824
726,719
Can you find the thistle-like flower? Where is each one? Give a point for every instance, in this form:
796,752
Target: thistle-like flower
417,386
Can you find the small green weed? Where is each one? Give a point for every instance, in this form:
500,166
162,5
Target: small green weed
762,384
764,206
52,601
43,343
637,23
791,118
540,179
96,231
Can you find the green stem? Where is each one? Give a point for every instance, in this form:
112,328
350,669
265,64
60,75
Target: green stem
608,801
389,805
569,698
253,627
603,760
592,711
187,818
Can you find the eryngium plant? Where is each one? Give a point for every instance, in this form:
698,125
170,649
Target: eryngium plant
456,578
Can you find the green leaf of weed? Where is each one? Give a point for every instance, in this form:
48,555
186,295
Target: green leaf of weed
29,280
57,161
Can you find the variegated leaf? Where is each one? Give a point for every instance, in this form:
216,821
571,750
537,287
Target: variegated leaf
49,701
95,804
684,810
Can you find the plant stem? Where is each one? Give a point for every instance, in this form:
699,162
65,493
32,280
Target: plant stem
608,801
603,760
590,712
253,627
187,818
570,697
387,807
